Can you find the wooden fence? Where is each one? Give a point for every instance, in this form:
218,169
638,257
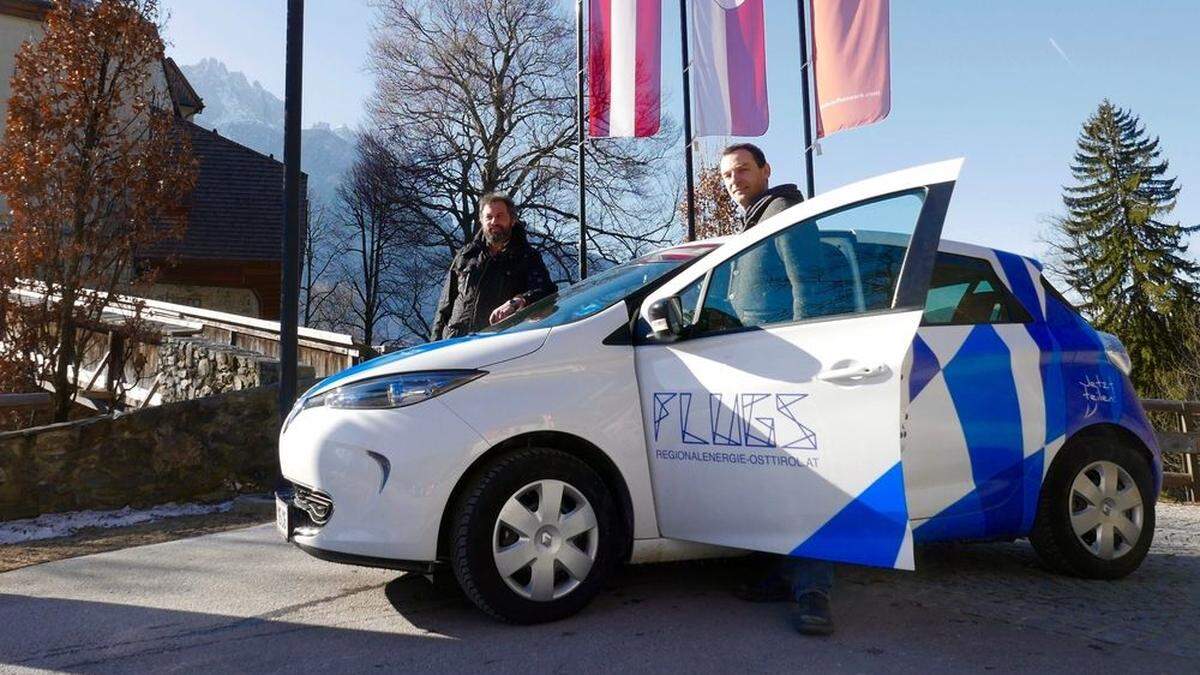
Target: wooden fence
103,365
1183,440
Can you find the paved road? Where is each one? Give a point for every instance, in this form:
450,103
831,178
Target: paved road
243,601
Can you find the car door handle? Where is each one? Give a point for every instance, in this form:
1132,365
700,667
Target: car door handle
853,373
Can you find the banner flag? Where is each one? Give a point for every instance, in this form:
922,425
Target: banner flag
729,67
851,54
624,67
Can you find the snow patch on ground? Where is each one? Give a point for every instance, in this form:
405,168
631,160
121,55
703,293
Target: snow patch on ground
51,525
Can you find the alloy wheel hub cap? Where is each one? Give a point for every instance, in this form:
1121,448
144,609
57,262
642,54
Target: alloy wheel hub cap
1106,510
545,540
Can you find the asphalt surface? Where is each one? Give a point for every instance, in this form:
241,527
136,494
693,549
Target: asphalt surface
244,601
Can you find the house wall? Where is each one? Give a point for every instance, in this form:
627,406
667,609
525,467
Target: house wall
14,31
222,284
240,301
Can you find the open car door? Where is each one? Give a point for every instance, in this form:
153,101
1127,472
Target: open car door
774,417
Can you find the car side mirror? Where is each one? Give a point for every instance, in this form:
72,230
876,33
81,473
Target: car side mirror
666,319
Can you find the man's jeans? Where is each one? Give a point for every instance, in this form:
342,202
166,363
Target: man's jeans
807,575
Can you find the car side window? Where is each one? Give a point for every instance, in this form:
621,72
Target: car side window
689,299
844,262
966,291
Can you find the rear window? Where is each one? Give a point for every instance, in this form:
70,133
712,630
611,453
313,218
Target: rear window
967,291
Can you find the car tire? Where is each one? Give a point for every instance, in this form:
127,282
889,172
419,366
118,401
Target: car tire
499,521
1119,504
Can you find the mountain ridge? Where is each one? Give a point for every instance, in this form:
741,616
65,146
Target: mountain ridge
244,111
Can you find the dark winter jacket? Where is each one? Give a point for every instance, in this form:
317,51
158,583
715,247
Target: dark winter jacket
774,201
478,282
773,281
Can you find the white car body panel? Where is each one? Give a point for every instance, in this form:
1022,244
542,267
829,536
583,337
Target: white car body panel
474,351
397,518
801,511
574,385
757,502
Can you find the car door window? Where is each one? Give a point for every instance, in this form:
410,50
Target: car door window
689,300
966,290
843,262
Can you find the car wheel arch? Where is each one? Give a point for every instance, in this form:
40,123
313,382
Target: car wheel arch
571,444
1058,544
1107,431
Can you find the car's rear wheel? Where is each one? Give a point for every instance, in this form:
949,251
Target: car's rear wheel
534,536
1096,512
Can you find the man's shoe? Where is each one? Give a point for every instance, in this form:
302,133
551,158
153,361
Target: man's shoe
773,588
811,615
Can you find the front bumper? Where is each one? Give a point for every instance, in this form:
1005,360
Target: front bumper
386,475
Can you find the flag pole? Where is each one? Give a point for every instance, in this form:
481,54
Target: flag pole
802,10
687,121
582,122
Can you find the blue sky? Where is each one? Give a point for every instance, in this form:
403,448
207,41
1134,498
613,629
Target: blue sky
981,80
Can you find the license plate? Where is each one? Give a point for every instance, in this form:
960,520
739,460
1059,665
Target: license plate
283,521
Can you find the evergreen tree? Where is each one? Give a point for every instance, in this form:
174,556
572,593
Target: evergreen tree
1117,250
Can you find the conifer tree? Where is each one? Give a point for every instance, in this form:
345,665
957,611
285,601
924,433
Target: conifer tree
1117,249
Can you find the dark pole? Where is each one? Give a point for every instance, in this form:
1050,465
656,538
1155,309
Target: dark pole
582,141
290,297
687,120
804,74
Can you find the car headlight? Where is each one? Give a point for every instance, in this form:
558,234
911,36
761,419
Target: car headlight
388,391
394,391
1116,352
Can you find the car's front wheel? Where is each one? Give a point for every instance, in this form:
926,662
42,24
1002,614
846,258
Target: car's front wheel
534,536
1096,512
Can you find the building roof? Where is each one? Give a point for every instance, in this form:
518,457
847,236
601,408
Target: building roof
185,99
34,10
236,209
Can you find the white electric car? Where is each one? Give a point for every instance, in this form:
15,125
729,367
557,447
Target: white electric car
836,383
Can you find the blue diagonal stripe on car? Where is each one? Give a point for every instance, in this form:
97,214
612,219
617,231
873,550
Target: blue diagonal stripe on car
867,531
984,393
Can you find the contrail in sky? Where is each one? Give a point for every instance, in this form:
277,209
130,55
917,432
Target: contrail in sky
1061,52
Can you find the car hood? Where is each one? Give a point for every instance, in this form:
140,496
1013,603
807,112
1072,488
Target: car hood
467,352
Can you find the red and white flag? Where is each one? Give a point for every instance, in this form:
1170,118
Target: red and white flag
624,67
851,54
729,67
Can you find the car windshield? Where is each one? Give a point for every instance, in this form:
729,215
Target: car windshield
600,291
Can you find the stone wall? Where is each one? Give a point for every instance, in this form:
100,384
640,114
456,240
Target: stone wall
204,449
191,368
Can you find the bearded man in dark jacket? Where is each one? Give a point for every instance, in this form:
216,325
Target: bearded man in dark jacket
495,274
772,283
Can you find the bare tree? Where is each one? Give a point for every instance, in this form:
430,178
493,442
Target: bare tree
479,95
321,251
372,206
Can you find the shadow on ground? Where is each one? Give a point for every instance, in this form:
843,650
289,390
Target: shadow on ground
987,606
